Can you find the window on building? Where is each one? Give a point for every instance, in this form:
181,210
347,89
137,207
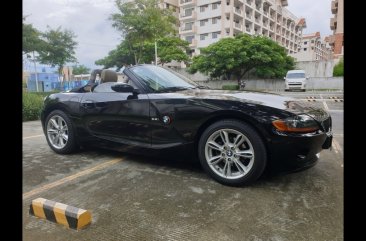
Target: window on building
306,42
188,11
189,39
188,26
203,22
216,5
203,8
305,49
215,20
203,36
215,34
312,48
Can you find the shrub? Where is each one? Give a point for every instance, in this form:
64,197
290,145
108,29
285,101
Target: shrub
338,68
32,106
230,87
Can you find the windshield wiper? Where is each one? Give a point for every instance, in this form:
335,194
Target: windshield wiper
173,88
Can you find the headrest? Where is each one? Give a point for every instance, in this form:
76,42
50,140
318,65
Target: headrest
108,76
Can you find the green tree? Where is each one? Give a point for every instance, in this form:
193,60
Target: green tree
172,48
339,68
31,39
117,57
59,48
241,54
80,69
169,49
142,21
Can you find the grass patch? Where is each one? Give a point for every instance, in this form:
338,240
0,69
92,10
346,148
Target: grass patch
32,105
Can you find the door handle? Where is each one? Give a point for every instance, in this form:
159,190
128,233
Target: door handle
88,104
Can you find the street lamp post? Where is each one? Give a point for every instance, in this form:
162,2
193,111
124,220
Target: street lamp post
156,53
35,71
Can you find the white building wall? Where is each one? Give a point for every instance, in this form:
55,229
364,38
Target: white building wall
266,17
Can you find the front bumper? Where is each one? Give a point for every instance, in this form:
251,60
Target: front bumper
296,152
295,86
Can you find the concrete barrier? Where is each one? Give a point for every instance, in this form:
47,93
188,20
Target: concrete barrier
278,84
69,216
313,83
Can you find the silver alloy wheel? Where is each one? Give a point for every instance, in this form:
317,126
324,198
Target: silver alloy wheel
57,132
229,153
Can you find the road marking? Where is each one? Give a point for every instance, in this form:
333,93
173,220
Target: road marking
28,137
336,146
70,178
325,104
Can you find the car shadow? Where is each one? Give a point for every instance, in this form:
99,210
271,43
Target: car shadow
190,163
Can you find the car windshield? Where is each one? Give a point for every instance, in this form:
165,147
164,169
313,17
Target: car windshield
160,79
295,75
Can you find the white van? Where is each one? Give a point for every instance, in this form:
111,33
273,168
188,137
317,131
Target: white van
295,80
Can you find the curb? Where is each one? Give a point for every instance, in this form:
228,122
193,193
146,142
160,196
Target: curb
69,216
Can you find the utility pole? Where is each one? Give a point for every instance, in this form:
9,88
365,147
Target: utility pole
35,71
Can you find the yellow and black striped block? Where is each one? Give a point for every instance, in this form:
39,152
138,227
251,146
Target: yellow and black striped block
69,216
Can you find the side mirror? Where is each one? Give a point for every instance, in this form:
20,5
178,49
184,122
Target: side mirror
123,88
284,78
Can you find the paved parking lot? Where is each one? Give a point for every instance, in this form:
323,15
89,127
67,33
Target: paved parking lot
143,198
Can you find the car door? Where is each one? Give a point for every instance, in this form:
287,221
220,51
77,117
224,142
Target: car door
117,117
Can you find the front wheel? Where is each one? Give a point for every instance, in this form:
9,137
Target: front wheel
232,152
60,133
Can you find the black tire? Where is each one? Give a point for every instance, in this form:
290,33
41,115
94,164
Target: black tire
259,149
71,143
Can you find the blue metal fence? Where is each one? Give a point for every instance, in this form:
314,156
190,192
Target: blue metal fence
48,86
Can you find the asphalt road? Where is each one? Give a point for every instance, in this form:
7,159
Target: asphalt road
140,198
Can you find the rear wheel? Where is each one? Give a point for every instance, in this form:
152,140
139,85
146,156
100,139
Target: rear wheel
232,152
60,134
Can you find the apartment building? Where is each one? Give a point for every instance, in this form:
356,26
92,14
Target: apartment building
336,24
203,22
313,48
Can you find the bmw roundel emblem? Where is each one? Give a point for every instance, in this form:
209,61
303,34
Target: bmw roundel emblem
166,119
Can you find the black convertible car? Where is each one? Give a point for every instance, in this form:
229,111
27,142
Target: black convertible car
236,134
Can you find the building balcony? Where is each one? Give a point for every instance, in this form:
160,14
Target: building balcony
187,3
333,23
248,16
184,17
334,6
238,12
238,26
184,30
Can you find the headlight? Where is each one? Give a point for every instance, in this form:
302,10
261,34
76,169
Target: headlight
300,123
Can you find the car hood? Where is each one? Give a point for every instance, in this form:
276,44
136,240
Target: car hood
296,79
256,98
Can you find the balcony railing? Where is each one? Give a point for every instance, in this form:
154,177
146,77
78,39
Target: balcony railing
187,2
189,16
185,29
238,26
238,11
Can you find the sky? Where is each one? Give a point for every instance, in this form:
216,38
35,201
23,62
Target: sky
88,19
